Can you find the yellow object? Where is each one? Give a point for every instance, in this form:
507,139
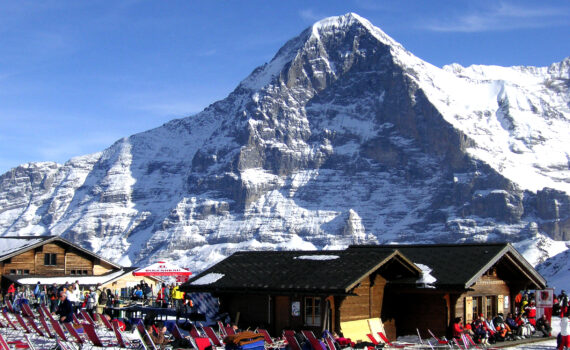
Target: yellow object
357,330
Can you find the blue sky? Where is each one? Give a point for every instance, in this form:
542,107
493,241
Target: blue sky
75,76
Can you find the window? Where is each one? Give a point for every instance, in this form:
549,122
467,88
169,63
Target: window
18,272
477,306
26,272
72,272
12,272
491,305
312,311
50,259
85,272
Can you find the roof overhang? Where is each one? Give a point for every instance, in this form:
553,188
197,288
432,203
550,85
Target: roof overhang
517,261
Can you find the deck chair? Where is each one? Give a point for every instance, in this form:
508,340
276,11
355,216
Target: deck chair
62,345
8,345
34,326
213,336
194,332
22,324
222,329
145,337
46,311
121,339
11,324
201,343
106,322
86,316
27,311
441,341
176,333
291,340
270,343
94,337
75,319
230,330
45,326
315,343
58,330
10,306
29,342
387,342
73,332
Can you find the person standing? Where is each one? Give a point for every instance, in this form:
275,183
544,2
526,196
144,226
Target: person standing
64,309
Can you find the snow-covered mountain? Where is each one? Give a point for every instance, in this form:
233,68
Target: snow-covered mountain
344,137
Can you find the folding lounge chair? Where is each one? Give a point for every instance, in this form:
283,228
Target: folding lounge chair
270,343
194,332
46,311
291,340
230,330
387,342
86,316
315,343
121,339
94,337
27,311
222,329
201,343
73,332
176,333
213,336
6,345
23,325
45,326
10,306
145,337
441,341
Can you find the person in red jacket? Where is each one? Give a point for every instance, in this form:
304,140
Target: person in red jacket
457,328
531,313
11,292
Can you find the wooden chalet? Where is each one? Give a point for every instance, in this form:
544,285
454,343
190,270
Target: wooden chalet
304,289
26,260
330,289
469,279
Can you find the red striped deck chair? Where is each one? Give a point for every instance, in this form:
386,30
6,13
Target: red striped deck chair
213,336
121,339
58,330
222,329
10,306
27,311
230,330
176,333
145,337
291,340
385,340
46,311
22,324
269,342
45,326
202,343
94,337
441,341
8,345
9,321
194,332
106,322
71,330
35,327
315,343
85,315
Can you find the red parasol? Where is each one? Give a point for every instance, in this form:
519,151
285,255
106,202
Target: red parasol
162,268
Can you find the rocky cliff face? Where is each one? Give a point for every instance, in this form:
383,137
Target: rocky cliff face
344,137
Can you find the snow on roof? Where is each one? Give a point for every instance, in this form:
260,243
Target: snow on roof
10,245
317,257
83,280
208,279
427,279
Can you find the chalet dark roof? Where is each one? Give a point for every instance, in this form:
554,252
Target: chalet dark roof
461,265
334,272
13,245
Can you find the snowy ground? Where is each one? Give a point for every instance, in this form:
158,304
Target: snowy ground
549,344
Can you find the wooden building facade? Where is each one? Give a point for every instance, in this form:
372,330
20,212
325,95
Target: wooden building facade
29,259
303,290
330,289
469,279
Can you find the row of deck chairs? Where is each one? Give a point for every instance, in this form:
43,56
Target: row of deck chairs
39,330
465,342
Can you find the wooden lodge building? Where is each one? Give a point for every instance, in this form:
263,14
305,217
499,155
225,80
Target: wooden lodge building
26,260
404,287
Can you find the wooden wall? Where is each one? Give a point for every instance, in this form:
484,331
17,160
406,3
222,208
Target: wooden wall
67,259
252,309
367,303
488,285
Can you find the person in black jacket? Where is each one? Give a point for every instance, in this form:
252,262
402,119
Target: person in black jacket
65,309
